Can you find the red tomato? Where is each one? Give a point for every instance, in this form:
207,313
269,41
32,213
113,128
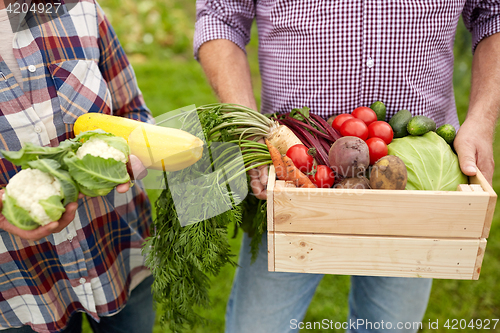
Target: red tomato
301,157
354,127
366,114
340,119
324,177
377,149
381,129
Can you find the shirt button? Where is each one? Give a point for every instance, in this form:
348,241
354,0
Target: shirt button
70,237
370,63
82,280
32,68
38,129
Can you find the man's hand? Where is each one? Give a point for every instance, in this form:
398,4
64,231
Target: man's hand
258,181
43,231
474,146
136,170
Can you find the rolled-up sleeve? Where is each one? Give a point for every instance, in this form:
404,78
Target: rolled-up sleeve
223,19
482,19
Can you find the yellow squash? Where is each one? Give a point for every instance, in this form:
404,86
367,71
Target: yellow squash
157,147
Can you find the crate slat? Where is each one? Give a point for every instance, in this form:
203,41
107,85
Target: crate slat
479,179
377,256
270,215
378,212
270,251
479,259
270,198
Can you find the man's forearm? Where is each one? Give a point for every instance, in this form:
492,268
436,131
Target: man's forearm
474,141
226,67
484,102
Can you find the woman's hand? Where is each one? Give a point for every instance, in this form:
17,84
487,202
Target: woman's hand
42,231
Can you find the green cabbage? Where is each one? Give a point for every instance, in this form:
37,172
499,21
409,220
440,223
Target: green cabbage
430,162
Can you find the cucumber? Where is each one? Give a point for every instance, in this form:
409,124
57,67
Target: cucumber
447,132
379,109
419,125
399,123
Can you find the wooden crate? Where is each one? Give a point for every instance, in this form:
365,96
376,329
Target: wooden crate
430,234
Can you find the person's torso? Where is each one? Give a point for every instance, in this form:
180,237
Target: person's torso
334,56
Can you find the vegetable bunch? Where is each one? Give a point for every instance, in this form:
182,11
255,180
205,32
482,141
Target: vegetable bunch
92,163
312,131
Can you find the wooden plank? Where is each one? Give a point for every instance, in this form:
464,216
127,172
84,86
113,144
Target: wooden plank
270,251
376,256
379,212
479,179
476,188
479,259
464,188
270,198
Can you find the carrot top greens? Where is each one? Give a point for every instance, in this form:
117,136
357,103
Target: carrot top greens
181,259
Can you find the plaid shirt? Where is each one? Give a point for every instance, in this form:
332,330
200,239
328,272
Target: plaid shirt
71,65
334,56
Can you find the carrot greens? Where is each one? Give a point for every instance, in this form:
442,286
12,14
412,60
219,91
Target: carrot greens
182,258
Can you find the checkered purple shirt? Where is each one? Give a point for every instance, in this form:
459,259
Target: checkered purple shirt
334,56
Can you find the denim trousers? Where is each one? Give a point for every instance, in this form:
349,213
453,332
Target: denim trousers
273,302
138,316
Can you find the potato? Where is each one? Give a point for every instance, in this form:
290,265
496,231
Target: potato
354,183
389,173
349,157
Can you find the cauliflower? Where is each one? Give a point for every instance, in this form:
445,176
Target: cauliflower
99,148
99,164
31,190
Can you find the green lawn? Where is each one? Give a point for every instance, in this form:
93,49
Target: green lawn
170,79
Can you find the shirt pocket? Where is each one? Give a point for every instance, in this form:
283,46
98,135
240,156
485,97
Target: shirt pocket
81,88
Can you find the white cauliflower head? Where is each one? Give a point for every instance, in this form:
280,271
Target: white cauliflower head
28,187
99,148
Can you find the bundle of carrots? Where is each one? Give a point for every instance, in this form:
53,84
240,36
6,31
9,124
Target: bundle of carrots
286,170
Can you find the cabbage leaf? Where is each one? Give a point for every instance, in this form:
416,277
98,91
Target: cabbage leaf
16,214
430,162
97,176
31,152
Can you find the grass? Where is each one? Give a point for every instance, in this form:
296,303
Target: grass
172,79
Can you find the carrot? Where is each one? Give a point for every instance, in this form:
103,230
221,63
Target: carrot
295,175
279,166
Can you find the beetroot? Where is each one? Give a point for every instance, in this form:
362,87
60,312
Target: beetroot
349,157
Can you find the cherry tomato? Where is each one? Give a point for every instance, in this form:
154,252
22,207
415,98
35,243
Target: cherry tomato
377,149
324,177
301,157
340,119
366,114
381,129
354,127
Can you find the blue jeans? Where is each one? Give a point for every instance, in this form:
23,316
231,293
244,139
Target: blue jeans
137,316
272,302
